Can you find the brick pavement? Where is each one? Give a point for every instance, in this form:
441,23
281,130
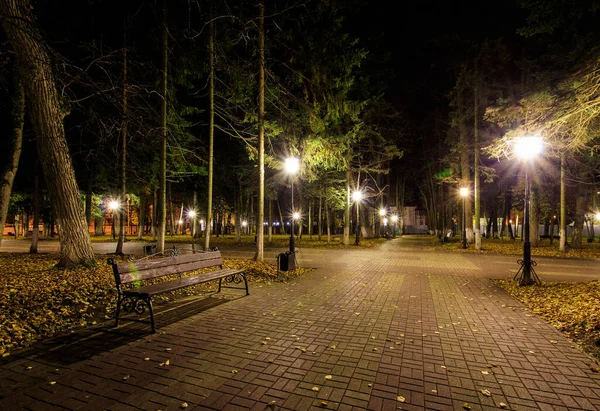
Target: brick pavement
385,329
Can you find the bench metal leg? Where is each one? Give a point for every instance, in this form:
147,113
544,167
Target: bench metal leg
245,282
149,304
233,279
119,303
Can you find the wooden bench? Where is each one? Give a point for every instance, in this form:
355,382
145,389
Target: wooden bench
140,296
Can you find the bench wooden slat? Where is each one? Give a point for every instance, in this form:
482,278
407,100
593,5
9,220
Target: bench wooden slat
153,289
136,266
143,271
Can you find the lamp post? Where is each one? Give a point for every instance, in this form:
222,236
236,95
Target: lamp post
113,206
357,196
526,149
292,165
464,192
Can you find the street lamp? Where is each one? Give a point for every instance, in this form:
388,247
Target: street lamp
464,192
526,149
357,196
292,165
113,205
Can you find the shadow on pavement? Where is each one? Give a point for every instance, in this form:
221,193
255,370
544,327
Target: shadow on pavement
84,344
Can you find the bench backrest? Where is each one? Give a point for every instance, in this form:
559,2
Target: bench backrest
144,270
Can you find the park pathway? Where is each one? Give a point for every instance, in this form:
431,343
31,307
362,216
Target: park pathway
396,327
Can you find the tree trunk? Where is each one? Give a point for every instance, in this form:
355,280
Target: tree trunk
327,218
88,199
211,128
153,224
14,150
141,216
563,206
261,135
309,219
580,209
320,233
347,208
47,120
123,199
270,222
577,236
465,165
161,211
238,218
37,194
171,210
476,160
281,222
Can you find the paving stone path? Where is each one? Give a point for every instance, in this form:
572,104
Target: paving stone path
391,328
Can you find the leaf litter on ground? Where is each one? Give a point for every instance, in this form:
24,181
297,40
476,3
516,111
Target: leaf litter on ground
38,301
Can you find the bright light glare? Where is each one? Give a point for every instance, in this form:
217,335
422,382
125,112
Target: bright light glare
464,191
382,212
296,215
180,222
292,165
528,147
244,223
191,213
394,219
598,216
385,221
113,205
357,195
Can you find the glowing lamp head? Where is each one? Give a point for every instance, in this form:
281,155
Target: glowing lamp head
296,215
191,214
180,222
357,195
292,165
394,219
244,223
382,212
464,191
598,216
385,221
528,147
113,205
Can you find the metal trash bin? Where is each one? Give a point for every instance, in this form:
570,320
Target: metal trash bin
286,261
150,249
282,262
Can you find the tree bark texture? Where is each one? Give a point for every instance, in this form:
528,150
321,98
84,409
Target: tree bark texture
37,194
162,178
123,199
261,136
476,160
465,165
211,130
563,207
47,120
346,240
14,150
